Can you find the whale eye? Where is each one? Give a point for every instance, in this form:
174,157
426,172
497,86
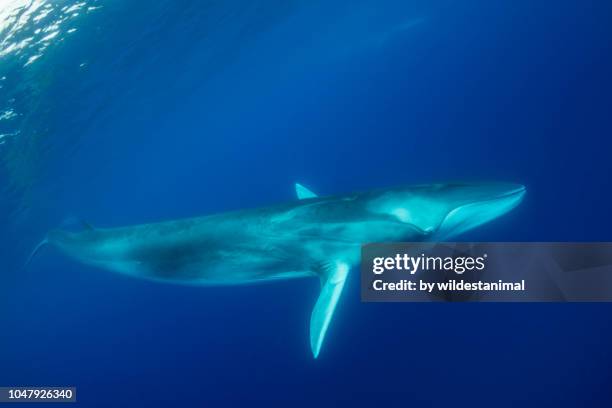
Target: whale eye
401,214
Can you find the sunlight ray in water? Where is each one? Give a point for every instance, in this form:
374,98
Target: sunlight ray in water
27,28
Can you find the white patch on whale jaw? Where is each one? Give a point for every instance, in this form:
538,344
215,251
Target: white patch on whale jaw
472,215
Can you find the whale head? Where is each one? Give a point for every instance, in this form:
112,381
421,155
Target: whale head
443,211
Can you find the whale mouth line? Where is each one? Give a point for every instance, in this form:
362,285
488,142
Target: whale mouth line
517,194
516,191
478,212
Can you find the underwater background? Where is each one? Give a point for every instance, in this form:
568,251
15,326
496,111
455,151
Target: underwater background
125,112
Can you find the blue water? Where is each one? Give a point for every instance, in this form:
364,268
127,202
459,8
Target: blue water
127,112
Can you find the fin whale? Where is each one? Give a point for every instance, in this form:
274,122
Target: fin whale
311,237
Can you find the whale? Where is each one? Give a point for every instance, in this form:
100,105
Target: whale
311,237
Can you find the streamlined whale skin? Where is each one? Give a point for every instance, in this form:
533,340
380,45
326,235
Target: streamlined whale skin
311,237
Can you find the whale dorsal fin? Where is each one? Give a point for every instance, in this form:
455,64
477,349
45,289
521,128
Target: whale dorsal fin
332,280
302,192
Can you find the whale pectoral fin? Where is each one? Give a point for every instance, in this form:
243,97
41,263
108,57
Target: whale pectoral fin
332,284
302,192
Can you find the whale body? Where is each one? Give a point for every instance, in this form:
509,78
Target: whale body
310,237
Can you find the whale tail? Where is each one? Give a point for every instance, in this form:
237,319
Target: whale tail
42,243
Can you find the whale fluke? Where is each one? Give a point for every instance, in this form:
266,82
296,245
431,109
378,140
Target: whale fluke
35,251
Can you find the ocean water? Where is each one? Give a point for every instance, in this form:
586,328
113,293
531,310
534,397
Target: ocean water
122,112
